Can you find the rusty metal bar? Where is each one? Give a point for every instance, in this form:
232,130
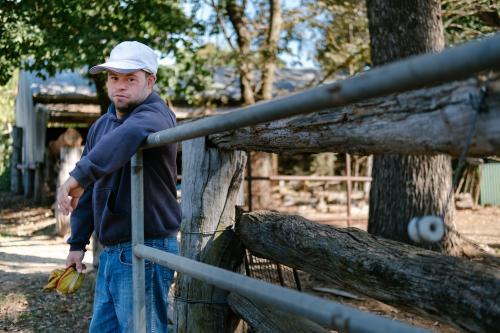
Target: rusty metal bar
311,178
315,178
349,187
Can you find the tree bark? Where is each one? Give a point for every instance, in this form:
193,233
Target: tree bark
264,319
210,187
271,49
407,186
261,162
462,293
426,121
236,15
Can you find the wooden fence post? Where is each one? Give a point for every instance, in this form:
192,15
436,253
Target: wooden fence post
211,181
16,176
69,157
28,180
38,182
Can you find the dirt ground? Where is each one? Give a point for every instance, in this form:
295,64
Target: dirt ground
29,251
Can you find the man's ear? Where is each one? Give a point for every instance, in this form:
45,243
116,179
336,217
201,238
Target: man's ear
151,80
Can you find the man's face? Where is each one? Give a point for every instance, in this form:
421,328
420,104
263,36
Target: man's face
128,90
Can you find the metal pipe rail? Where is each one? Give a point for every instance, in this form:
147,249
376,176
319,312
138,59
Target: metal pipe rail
411,73
326,313
314,178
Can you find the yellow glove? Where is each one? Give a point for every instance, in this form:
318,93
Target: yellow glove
65,281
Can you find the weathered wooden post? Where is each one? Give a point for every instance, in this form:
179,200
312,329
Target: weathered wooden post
69,157
28,179
38,182
16,176
48,175
211,180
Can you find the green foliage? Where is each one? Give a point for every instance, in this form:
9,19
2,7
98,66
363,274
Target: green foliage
7,104
5,153
465,20
62,34
346,44
343,26
191,76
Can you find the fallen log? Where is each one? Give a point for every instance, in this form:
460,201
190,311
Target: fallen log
462,293
425,121
264,319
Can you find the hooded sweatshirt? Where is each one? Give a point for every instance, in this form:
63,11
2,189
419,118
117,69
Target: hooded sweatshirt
104,172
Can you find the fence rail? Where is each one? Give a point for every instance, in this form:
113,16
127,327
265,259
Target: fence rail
326,313
412,73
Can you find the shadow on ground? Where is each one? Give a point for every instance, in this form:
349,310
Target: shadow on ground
24,307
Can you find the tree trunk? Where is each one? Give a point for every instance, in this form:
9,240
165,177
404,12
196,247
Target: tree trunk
210,187
457,291
404,187
264,319
236,15
262,166
271,49
425,121
261,162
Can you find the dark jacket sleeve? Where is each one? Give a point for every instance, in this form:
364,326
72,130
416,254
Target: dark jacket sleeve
82,217
82,221
116,148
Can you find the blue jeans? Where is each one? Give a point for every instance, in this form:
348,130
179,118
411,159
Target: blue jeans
113,291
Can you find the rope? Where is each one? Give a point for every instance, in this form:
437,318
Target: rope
461,160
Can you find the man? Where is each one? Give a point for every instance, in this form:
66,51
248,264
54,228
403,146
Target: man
98,192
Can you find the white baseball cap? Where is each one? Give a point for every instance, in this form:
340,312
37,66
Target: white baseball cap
128,57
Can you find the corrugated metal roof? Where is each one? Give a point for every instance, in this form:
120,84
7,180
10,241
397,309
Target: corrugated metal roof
490,184
66,82
226,82
286,80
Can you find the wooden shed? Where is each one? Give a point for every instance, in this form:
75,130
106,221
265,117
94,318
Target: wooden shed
46,107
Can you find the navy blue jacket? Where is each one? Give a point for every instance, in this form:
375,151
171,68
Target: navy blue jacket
104,172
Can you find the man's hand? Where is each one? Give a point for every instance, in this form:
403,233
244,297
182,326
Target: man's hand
75,258
68,195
